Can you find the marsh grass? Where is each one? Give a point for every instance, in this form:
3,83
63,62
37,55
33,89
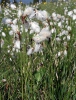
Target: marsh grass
42,75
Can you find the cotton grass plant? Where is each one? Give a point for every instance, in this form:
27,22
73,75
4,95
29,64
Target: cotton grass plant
38,52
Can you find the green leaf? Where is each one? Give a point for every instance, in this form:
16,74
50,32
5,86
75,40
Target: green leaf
39,74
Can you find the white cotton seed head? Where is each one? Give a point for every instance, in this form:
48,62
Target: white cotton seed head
60,24
39,38
69,28
74,11
65,44
70,13
4,80
58,39
64,38
8,51
68,37
65,11
19,14
74,16
37,47
53,30
11,32
13,6
42,15
31,31
30,51
65,52
45,14
28,11
59,54
15,28
2,42
6,20
53,14
17,44
15,21
35,27
3,34
45,32
59,16
51,23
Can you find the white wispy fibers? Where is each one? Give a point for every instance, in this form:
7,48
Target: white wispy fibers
65,52
59,53
54,14
65,11
59,16
35,27
42,15
32,15
69,28
30,51
8,51
28,11
17,36
45,23
74,16
63,32
55,23
2,43
6,20
17,44
67,22
19,13
6,12
45,14
13,6
10,59
64,38
4,80
11,32
8,5
15,28
45,32
65,44
31,31
21,28
26,25
68,37
74,10
60,24
58,39
15,21
51,23
55,19
3,34
39,38
43,35
41,31
63,18
70,13
53,30
37,47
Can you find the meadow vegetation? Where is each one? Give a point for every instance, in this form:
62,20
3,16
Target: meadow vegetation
38,51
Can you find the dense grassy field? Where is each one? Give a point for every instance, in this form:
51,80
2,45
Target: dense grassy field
38,51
